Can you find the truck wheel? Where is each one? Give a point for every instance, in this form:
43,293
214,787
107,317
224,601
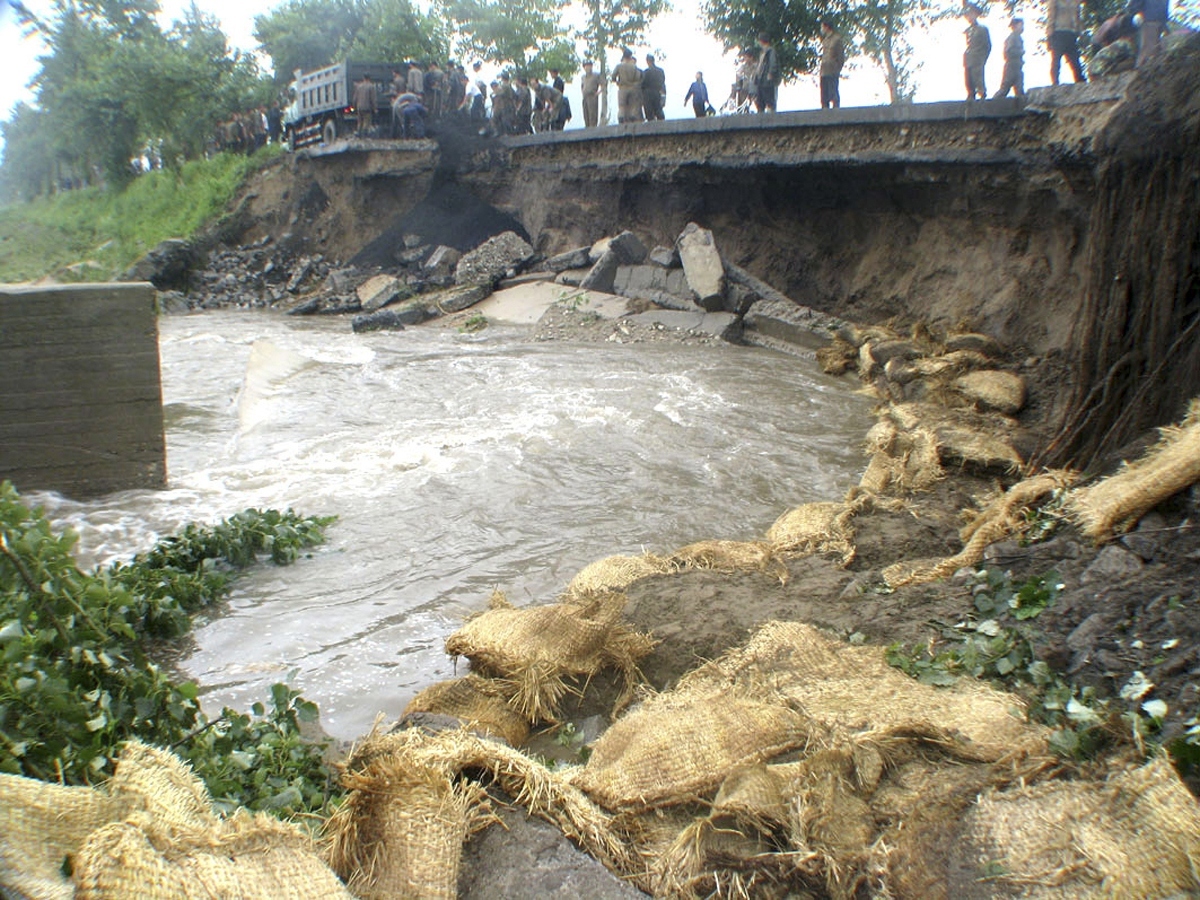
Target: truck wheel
329,131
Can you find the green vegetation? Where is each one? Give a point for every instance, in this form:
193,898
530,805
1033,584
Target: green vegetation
998,645
101,233
76,680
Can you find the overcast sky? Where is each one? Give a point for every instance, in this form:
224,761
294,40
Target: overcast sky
677,37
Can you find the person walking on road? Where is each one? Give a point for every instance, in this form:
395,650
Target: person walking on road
1063,24
833,58
698,94
1014,62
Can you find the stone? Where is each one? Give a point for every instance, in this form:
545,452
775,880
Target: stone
630,251
661,298
456,299
414,311
598,249
413,255
171,302
993,389
412,240
381,320
1146,539
491,260
342,281
167,266
572,277
1113,563
651,278
785,323
979,343
526,857
702,265
724,325
667,257
299,276
572,259
378,291
442,260
603,274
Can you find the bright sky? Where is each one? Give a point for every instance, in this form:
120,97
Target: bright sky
677,39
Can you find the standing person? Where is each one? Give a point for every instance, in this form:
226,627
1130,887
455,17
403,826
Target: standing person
564,111
364,104
477,94
275,123
654,90
698,94
435,87
591,83
1154,22
744,86
503,105
766,76
416,80
523,112
1062,32
833,58
547,105
1014,61
979,48
628,78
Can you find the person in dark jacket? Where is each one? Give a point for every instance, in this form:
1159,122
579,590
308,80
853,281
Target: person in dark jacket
979,48
364,104
654,90
1063,24
1154,15
833,58
766,76
698,94
1014,62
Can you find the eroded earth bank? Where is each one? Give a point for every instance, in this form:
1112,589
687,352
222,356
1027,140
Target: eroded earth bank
1020,294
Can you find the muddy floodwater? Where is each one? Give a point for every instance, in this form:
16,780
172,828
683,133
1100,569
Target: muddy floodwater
456,464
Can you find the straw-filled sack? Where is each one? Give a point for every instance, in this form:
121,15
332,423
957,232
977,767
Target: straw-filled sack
1003,516
616,573
476,701
677,747
962,437
1134,835
993,389
815,528
535,649
151,834
1170,466
730,557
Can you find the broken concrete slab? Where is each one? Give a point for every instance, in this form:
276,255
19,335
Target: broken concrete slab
598,249
785,326
702,265
667,257
442,261
525,278
629,249
572,259
456,299
662,298
492,259
380,320
572,277
525,304
603,273
724,325
378,291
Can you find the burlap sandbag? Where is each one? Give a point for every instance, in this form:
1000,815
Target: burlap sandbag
676,747
478,702
615,573
731,557
1135,835
1170,466
535,649
814,528
246,858
993,389
42,827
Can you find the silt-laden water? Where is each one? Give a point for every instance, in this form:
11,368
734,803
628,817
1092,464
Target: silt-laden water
456,464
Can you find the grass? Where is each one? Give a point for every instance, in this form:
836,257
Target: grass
93,234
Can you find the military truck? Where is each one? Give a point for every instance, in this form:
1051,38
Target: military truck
322,104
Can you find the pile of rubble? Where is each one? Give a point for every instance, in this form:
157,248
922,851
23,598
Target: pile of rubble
684,287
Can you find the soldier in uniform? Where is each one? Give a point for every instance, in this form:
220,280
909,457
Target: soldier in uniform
628,78
503,104
591,84
833,57
547,105
364,103
979,48
523,114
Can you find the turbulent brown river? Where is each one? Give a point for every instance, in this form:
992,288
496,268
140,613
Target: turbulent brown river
456,464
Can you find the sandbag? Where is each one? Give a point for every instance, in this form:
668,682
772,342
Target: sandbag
478,703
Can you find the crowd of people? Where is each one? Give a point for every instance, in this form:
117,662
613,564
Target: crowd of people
1122,42
246,131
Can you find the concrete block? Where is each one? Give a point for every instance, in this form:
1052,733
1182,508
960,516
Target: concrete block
81,400
702,265
629,249
442,260
603,273
667,257
378,291
572,259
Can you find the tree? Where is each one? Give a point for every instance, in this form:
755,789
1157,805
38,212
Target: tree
395,30
528,34
308,34
612,24
794,28
883,29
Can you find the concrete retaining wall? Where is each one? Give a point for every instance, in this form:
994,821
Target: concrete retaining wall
81,396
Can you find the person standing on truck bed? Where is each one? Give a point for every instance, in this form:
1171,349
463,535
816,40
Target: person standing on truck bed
364,104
